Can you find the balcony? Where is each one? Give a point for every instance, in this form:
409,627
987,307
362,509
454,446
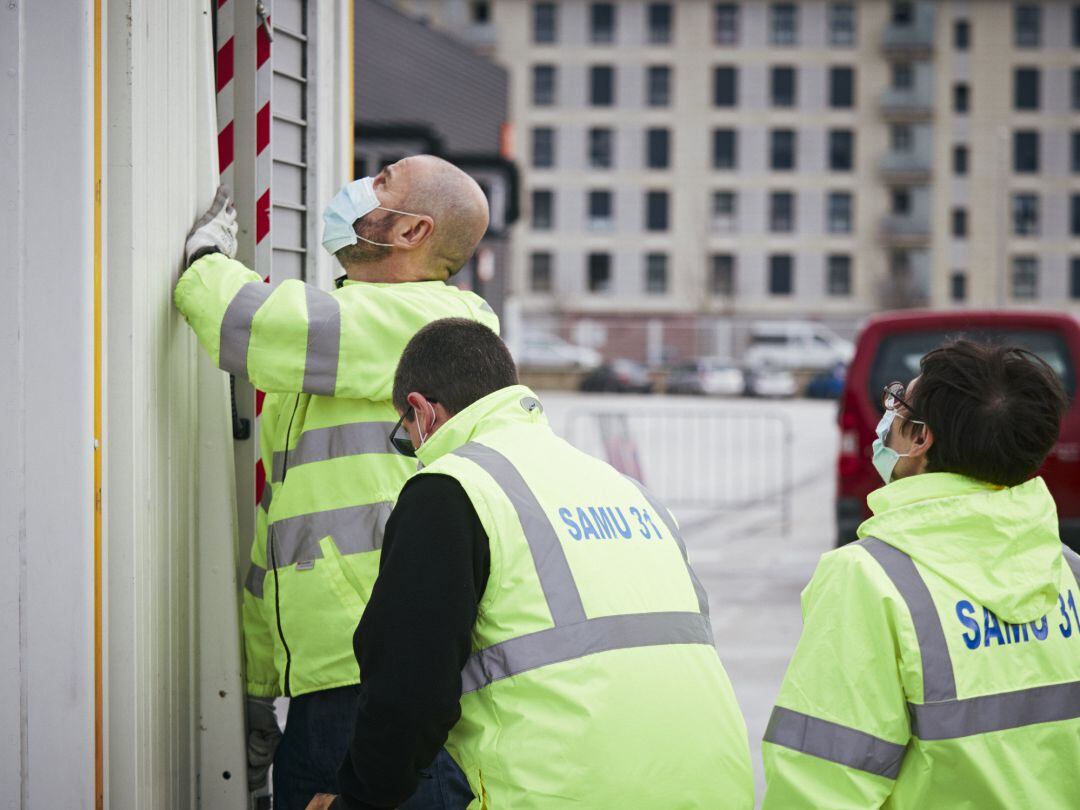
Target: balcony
907,106
906,168
910,41
905,230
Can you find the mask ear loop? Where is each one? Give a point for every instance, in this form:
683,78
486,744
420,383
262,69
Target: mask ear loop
392,211
420,430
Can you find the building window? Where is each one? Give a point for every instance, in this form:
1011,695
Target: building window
1025,277
959,223
838,281
900,137
601,85
841,150
543,85
599,269
540,272
961,97
1075,94
783,24
726,24
1026,88
1075,150
901,202
480,12
1074,214
725,86
841,87
656,277
601,148
1027,19
781,281
657,148
658,80
543,147
903,13
1074,277
656,210
1026,151
782,86
1025,209
725,212
903,76
842,24
960,160
1076,26
602,23
543,209
660,16
961,35
781,212
600,211
725,149
958,286
839,207
722,274
545,21
782,149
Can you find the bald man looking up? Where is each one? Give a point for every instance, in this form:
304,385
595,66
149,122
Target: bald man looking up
326,361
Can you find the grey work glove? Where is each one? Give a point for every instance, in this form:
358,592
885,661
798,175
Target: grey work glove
264,734
214,231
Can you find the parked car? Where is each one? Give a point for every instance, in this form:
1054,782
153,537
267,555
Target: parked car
890,348
620,376
828,384
545,350
714,376
770,381
796,345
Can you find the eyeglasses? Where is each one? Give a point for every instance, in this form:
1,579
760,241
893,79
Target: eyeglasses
893,396
399,438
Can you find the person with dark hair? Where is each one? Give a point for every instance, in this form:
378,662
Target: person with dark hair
326,361
939,664
534,611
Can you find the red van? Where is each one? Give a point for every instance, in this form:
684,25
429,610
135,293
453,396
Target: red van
890,347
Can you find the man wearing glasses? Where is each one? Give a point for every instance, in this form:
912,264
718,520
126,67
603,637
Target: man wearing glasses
326,361
939,664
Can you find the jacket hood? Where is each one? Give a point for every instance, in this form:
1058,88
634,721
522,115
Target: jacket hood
998,545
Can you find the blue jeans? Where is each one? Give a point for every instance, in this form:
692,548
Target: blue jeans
316,740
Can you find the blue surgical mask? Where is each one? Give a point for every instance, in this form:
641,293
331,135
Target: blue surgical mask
355,201
885,458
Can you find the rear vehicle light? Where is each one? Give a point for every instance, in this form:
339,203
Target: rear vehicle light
848,461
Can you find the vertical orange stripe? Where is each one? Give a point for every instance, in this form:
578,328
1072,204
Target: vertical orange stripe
99,720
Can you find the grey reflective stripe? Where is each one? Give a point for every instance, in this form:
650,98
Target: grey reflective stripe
665,515
939,682
978,715
552,568
354,529
571,641
1073,561
322,444
236,326
254,583
323,342
267,496
486,307
834,742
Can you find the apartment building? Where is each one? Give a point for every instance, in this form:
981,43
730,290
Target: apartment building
691,167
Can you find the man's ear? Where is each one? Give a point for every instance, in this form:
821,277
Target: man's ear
922,441
416,233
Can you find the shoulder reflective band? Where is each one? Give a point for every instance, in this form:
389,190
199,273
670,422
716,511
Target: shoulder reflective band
323,444
267,497
354,529
998,712
569,642
939,682
236,327
254,583
1073,561
664,515
834,742
552,568
323,342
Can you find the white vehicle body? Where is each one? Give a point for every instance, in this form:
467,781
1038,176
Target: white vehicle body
544,350
796,345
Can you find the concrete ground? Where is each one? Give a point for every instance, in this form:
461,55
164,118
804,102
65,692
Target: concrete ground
735,453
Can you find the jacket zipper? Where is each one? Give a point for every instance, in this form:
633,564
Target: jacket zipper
273,555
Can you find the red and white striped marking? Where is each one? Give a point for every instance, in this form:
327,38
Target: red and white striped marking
226,71
264,168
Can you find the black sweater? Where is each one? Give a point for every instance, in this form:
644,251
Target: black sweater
413,641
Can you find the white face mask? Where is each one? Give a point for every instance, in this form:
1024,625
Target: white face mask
885,458
355,201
